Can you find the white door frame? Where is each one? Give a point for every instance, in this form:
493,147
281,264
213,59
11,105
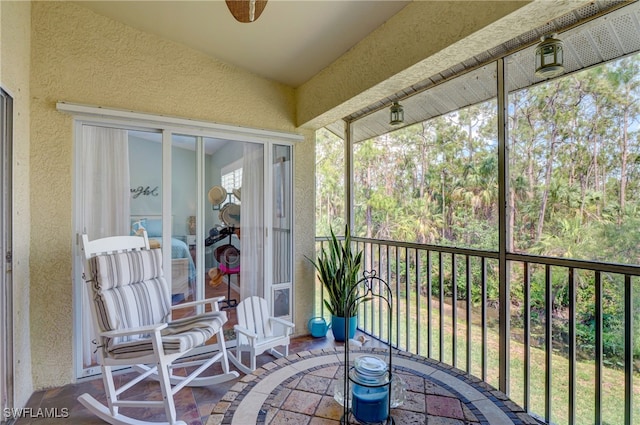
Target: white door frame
6,247
91,115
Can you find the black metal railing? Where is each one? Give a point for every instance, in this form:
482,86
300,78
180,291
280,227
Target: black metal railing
561,367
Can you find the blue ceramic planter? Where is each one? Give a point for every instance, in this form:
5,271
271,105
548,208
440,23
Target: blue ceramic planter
337,327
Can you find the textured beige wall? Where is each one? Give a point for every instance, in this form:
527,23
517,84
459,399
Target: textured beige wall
15,24
78,56
421,40
305,231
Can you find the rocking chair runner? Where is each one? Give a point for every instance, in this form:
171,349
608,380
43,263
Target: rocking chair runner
131,312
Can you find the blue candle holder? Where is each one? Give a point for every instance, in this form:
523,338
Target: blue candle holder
370,394
370,405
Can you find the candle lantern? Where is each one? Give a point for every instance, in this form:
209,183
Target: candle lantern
549,57
396,113
368,381
370,390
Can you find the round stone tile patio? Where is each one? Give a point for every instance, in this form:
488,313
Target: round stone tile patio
298,390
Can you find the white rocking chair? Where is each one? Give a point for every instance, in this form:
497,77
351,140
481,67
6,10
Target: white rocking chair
257,332
131,312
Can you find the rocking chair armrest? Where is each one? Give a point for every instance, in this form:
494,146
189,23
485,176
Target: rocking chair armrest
285,323
246,332
198,302
134,331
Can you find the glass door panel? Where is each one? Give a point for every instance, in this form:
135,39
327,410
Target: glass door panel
119,190
282,241
145,180
233,222
185,286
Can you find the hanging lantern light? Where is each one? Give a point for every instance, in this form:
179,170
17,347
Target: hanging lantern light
549,57
397,114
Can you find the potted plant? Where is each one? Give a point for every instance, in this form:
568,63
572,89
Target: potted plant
338,266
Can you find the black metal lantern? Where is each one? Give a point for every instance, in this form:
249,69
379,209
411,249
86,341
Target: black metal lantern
549,57
366,389
397,114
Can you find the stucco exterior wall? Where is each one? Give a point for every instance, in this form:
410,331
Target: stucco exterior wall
78,56
424,38
305,231
15,25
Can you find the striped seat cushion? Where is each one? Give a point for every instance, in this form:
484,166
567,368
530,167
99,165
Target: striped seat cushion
129,290
179,336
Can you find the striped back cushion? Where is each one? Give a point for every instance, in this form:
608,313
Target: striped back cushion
129,289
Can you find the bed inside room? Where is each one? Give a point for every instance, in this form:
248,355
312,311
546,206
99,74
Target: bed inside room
183,269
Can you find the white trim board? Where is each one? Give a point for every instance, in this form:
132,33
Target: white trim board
227,131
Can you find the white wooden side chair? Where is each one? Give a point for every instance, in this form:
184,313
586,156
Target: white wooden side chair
257,332
131,312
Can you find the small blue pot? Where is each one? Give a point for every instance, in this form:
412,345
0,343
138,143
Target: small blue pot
337,327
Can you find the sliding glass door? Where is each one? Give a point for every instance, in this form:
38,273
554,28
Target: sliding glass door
211,203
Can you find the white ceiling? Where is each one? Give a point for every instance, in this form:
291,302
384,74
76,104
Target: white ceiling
291,41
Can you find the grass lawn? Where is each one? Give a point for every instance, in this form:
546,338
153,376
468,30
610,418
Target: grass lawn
612,384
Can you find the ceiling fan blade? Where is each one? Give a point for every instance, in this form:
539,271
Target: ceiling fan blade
246,10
